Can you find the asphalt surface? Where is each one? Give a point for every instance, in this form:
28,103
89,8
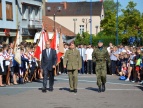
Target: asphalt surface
118,94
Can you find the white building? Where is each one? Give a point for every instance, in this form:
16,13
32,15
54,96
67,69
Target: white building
77,16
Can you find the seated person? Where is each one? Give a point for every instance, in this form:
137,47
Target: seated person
124,69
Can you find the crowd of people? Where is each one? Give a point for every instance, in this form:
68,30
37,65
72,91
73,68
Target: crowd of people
125,61
13,73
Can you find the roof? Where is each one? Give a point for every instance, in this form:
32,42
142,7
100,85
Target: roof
73,8
49,26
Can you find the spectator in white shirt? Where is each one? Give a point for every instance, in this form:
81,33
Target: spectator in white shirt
110,47
88,53
121,49
83,58
114,57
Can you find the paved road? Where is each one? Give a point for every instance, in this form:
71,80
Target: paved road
119,94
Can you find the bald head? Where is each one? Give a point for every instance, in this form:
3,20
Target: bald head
48,44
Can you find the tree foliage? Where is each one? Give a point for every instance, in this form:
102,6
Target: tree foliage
130,23
110,5
109,23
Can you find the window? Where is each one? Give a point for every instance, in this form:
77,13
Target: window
24,11
0,9
37,13
31,15
81,29
9,11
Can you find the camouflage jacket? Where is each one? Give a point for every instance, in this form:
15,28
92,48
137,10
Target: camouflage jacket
100,56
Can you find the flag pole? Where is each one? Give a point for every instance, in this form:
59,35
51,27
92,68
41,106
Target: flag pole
15,42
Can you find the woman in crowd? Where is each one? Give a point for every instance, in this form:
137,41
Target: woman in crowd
1,68
131,64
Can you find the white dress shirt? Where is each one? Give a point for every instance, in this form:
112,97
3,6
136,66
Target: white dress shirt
88,53
1,62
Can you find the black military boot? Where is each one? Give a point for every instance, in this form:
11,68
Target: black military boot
99,89
103,87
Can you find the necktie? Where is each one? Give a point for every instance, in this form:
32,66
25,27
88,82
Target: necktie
47,52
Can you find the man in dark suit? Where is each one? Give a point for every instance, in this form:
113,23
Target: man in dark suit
48,64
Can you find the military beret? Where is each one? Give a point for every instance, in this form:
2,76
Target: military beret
71,43
100,41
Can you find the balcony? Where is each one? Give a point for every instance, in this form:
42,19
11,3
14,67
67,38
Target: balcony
35,24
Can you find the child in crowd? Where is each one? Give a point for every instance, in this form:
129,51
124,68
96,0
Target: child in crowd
123,70
120,62
138,60
22,67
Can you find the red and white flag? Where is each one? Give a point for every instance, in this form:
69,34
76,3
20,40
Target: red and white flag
58,45
55,41
41,45
61,49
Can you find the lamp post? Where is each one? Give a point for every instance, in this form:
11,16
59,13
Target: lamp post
74,25
54,21
96,29
86,21
90,21
54,15
117,25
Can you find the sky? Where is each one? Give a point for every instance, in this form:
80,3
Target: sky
123,3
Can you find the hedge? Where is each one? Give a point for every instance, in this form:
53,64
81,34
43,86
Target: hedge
85,39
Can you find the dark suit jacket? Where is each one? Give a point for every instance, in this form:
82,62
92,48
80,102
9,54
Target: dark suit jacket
48,62
23,62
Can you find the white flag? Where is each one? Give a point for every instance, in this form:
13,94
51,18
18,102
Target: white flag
16,50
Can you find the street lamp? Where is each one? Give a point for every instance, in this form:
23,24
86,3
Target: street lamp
86,21
54,15
90,21
117,25
74,25
96,29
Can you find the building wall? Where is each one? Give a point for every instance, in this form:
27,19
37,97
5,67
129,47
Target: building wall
4,23
68,22
8,24
28,21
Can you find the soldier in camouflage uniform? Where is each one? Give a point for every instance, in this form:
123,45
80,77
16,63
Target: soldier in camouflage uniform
100,55
72,61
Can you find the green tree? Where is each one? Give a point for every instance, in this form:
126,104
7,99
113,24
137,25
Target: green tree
140,28
110,5
78,39
130,21
108,24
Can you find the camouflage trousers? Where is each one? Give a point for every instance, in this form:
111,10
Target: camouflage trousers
101,72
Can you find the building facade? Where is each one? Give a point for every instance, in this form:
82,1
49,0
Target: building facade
8,20
23,15
77,16
29,17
